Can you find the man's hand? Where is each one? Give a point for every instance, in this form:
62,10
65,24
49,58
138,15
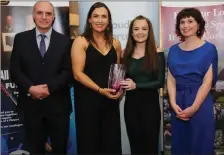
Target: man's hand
47,93
39,91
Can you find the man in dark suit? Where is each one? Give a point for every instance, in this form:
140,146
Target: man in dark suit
9,24
41,67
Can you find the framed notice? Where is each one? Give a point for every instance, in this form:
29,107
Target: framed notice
7,41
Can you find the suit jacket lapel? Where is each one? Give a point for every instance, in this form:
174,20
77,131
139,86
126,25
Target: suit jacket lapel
33,42
51,44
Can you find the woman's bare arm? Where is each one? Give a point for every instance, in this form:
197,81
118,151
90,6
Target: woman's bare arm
78,55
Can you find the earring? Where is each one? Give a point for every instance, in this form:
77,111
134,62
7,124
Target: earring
107,28
198,31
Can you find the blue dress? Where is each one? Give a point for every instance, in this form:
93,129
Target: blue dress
196,136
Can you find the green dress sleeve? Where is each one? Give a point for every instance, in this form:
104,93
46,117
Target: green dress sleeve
159,82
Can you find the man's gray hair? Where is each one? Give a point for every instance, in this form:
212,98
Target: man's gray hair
43,1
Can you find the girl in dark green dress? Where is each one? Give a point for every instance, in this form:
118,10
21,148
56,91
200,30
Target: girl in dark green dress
145,75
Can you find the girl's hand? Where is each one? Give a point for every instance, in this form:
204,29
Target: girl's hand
128,84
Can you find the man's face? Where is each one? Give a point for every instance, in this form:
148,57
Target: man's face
9,21
43,15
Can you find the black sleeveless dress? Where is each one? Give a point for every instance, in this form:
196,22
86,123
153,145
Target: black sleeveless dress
97,117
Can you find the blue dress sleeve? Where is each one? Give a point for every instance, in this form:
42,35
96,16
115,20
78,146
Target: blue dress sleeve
211,58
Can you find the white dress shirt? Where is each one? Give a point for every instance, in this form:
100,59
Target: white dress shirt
46,40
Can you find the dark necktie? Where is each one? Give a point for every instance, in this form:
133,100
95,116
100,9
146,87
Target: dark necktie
42,45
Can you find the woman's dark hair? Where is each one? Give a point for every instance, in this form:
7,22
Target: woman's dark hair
88,32
190,12
150,58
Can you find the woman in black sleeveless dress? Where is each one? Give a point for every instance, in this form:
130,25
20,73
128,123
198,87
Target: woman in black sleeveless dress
96,109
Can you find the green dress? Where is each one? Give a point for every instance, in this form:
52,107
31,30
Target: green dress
141,109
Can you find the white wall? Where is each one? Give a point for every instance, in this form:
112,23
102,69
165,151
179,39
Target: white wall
29,3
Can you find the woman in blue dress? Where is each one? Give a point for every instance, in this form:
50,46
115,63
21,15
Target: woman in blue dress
192,72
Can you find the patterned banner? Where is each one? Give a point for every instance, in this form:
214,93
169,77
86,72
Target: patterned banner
214,17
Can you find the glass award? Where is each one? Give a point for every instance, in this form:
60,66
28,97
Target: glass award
116,75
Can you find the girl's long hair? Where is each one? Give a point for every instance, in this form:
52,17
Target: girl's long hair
150,58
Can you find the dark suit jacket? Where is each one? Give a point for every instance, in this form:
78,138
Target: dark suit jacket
29,68
5,30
